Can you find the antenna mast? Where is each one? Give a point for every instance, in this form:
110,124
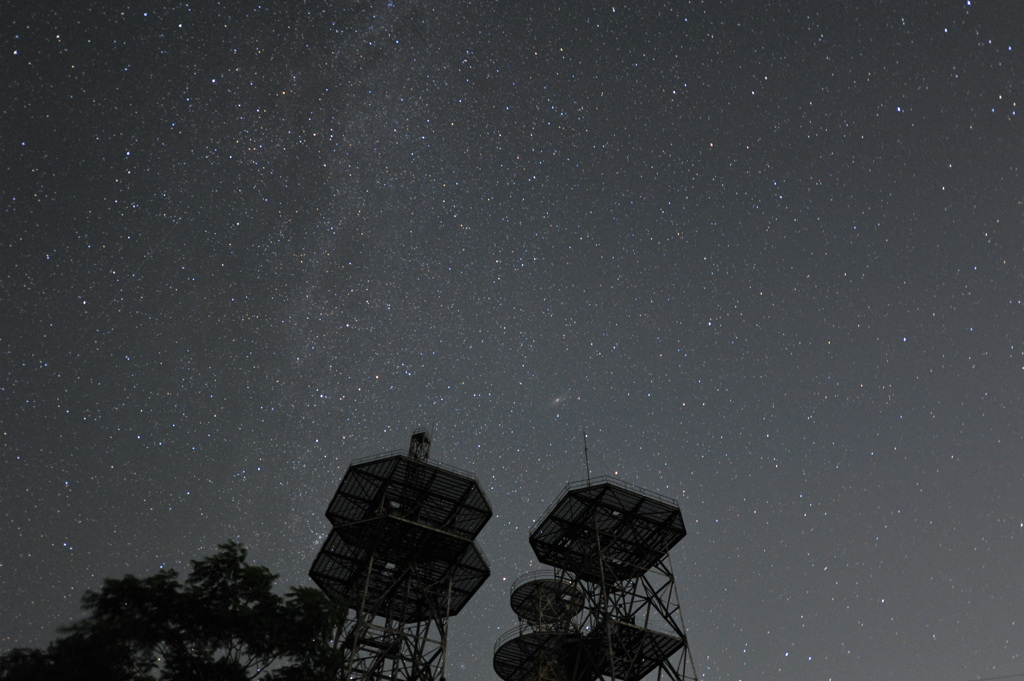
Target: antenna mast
586,455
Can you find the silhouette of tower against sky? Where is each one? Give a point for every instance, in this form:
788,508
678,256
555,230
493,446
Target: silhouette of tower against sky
608,608
401,554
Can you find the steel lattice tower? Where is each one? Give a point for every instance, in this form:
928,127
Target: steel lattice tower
609,609
402,556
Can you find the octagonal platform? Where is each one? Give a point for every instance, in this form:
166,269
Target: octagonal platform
407,509
412,592
605,530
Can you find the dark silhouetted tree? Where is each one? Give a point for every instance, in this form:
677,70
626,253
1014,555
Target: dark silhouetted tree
223,623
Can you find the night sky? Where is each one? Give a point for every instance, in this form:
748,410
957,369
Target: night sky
768,255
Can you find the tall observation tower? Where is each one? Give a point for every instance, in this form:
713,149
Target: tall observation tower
608,608
401,554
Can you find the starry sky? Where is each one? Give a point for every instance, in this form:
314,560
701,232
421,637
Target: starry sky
768,255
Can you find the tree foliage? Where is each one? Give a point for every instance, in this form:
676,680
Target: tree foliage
223,623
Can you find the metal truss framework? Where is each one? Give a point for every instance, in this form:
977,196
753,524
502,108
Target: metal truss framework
609,609
402,556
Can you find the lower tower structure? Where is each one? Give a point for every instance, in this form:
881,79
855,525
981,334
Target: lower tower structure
608,610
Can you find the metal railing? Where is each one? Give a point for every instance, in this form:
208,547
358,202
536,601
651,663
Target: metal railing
428,462
603,480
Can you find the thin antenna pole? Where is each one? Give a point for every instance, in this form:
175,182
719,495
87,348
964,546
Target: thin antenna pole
586,455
